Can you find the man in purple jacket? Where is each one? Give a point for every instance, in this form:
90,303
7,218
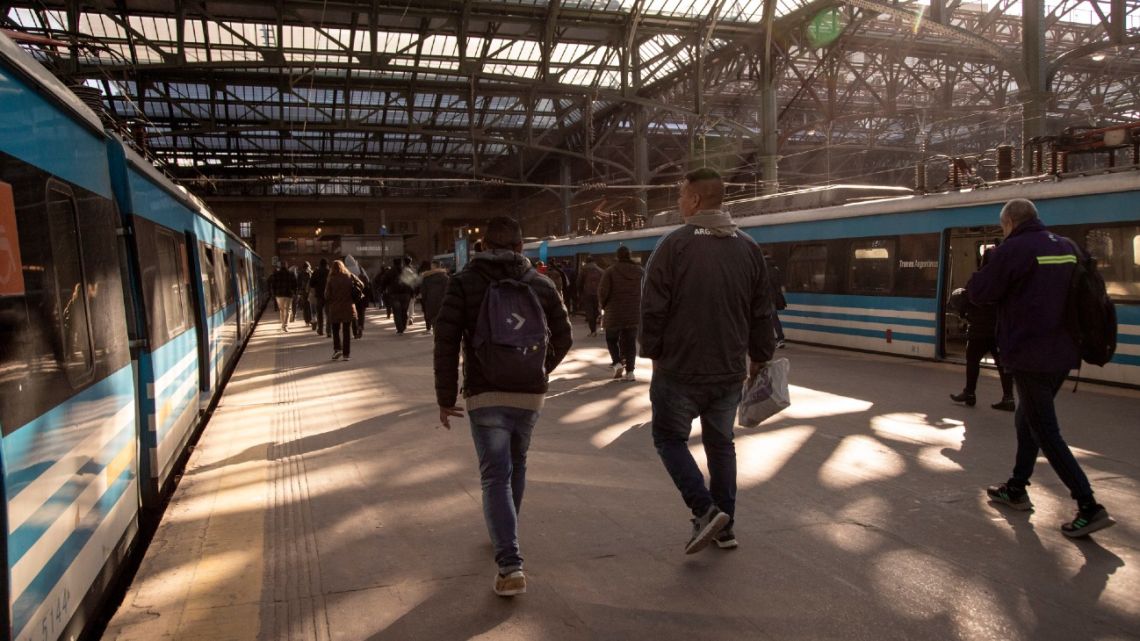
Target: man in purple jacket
1028,279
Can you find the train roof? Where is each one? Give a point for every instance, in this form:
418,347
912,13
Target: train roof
1037,188
22,61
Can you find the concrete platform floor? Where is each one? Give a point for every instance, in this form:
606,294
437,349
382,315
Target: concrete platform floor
323,503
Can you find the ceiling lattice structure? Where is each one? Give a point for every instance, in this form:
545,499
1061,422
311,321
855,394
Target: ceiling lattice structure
439,97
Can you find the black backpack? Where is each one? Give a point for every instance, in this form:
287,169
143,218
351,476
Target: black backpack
511,335
1090,316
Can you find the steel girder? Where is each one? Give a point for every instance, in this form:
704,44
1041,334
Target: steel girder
246,93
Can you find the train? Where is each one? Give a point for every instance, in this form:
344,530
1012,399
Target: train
124,305
875,274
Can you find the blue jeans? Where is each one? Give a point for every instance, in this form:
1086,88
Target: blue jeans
502,437
675,405
1038,430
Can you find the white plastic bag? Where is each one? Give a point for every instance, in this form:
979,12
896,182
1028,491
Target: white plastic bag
766,395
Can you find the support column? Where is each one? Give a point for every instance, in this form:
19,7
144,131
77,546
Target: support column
641,159
565,195
1035,96
768,114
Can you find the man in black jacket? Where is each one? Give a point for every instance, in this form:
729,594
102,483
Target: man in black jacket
501,420
705,306
317,284
283,285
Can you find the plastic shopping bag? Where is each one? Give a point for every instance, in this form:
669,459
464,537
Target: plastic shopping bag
766,395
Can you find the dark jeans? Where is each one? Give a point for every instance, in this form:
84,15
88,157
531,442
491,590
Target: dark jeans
777,326
319,315
360,307
342,337
400,310
976,348
1037,429
302,303
502,437
675,405
590,306
622,343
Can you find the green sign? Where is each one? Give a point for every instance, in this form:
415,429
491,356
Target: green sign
825,27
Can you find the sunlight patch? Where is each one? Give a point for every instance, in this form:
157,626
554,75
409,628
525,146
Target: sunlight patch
860,459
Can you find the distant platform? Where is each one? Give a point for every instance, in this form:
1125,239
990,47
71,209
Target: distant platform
323,503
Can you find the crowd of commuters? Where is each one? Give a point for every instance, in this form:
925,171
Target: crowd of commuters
704,310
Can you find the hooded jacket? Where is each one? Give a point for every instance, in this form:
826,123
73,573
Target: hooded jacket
433,285
459,313
1028,279
706,303
620,295
589,279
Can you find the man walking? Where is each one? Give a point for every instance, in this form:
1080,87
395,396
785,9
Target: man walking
589,279
705,306
504,394
317,285
1028,277
283,285
620,295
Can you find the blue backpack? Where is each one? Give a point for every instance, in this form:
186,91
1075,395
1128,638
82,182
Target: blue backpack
511,335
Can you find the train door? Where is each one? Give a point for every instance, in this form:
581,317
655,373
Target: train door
964,249
200,295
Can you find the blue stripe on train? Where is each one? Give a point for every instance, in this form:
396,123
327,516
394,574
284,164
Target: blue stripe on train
19,444
26,604
867,333
1126,359
894,303
861,318
22,540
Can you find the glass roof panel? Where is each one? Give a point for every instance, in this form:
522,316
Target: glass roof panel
515,50
100,26
519,71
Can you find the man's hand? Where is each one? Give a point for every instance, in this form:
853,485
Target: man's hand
754,368
445,414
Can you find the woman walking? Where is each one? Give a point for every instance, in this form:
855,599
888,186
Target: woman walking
341,308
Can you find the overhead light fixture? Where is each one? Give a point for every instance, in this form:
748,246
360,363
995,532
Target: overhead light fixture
318,232
1097,57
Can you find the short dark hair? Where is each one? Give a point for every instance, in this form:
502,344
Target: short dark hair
708,183
623,253
703,173
503,232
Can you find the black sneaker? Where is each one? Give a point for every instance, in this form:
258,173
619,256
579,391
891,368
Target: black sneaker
726,540
1011,496
1087,521
705,528
965,397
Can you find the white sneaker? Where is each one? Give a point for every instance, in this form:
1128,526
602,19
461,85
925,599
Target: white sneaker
629,377
345,358
336,356
511,584
618,369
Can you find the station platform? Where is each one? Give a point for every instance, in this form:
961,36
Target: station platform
324,503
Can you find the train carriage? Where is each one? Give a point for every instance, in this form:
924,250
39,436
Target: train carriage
109,346
875,275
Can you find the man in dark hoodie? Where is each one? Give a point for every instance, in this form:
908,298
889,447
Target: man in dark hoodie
317,284
589,279
1028,278
501,419
620,295
706,306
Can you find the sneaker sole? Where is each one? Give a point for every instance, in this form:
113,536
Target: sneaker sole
705,536
1096,526
1022,507
727,545
510,591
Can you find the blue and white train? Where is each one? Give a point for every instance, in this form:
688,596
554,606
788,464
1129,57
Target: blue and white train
875,275
123,306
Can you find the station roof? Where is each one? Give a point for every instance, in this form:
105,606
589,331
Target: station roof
248,97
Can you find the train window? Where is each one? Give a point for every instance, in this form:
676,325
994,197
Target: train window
172,277
872,266
917,263
1117,253
209,278
807,268
227,277
74,342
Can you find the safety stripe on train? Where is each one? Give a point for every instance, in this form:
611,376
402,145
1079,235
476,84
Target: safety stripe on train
906,319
